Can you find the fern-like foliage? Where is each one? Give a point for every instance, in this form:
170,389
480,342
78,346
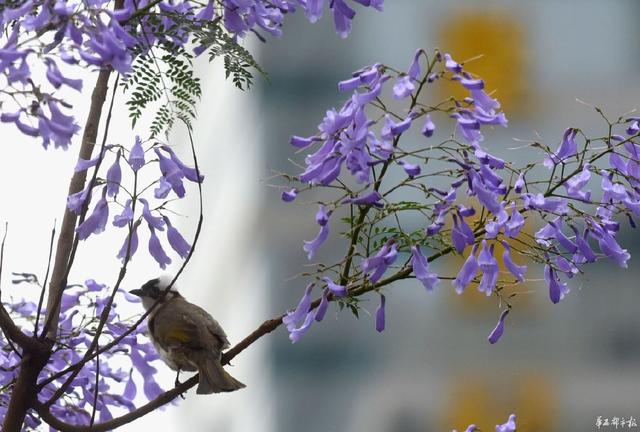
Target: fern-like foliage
163,75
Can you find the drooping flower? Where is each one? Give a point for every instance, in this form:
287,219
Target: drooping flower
155,221
176,241
429,127
497,332
376,265
114,177
420,267
557,289
489,267
403,87
289,195
125,217
323,306
156,250
97,221
467,272
517,270
412,170
125,246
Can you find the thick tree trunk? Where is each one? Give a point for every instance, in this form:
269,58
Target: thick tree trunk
25,389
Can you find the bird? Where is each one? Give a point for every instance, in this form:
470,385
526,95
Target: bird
186,337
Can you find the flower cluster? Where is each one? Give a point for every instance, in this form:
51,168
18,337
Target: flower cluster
173,173
89,34
81,308
481,214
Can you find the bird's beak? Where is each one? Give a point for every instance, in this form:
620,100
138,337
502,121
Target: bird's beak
137,292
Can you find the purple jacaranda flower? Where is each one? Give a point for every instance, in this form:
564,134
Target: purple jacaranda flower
421,271
429,127
376,265
414,69
567,148
289,195
303,310
190,173
323,306
76,201
94,286
84,164
97,221
612,191
539,202
59,127
172,173
633,128
312,246
467,272
564,241
122,253
616,162
489,267
609,246
492,228
176,241
519,185
163,188
371,198
497,332
136,156
509,426
557,289
304,305
380,315
574,184
412,170
150,387
403,87
301,142
584,248
337,290
461,234
517,270
114,177
56,78
156,250
567,267
296,333
125,217
155,221
342,16
393,129
468,126
451,64
322,215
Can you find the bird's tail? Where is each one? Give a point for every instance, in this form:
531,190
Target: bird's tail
214,379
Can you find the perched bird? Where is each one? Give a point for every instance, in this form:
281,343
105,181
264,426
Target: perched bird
186,337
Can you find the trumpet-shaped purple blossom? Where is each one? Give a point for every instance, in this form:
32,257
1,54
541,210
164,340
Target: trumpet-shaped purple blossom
421,271
568,148
376,265
489,267
497,332
467,272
